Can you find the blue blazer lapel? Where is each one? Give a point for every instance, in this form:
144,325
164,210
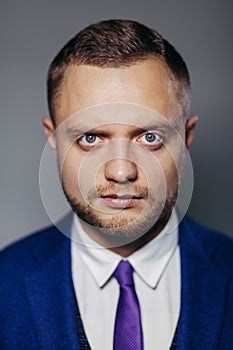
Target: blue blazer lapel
51,297
204,291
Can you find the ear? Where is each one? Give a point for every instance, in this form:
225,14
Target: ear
49,132
189,130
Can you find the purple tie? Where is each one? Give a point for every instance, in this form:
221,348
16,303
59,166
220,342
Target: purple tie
128,329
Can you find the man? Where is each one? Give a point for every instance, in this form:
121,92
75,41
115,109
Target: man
131,276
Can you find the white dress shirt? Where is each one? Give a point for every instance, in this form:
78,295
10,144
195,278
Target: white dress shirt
157,283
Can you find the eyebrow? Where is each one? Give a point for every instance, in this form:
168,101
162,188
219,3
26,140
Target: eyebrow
74,131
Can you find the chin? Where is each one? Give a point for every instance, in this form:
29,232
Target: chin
125,226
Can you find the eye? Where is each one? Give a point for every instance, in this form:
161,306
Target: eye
152,140
89,141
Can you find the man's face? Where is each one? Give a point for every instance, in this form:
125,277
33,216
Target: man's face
120,153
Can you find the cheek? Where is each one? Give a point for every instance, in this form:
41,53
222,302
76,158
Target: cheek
172,179
69,166
80,172
170,171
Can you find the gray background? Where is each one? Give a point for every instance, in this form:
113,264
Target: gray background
31,33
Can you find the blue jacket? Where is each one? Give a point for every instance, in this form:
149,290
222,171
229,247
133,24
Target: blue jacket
38,306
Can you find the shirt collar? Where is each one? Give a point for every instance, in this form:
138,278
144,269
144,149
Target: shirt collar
149,262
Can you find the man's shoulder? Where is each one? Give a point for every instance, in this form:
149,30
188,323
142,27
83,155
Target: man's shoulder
206,233
32,271
18,256
209,241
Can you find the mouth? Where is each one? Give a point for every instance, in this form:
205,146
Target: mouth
121,202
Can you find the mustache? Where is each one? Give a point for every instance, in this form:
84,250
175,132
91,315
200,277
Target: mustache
118,191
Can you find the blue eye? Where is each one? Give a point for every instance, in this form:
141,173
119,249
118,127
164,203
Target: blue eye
152,139
90,139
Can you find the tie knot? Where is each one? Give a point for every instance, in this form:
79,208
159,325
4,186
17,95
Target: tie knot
124,274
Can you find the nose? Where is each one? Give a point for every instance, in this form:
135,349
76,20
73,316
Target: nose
120,170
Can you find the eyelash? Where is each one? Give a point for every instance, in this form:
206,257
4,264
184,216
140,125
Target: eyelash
88,146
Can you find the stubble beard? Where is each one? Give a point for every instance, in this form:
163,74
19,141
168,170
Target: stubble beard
122,227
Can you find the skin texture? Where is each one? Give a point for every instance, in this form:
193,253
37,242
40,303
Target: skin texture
121,180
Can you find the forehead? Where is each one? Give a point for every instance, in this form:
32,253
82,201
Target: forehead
114,118
147,83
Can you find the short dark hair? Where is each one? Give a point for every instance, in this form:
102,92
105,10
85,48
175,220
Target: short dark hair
116,43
